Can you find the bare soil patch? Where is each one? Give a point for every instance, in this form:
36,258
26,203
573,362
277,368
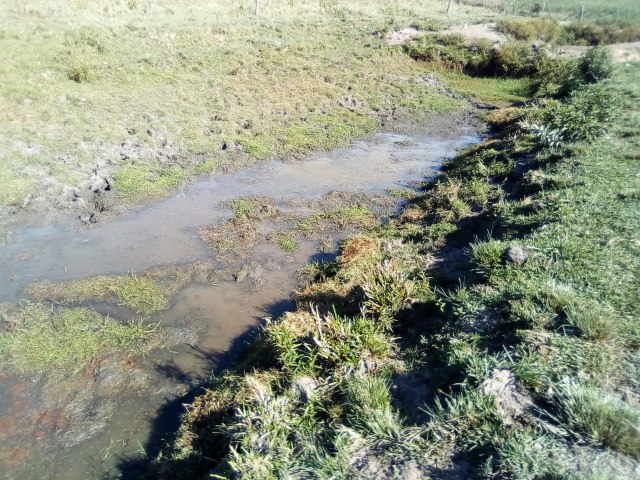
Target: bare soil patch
621,52
479,31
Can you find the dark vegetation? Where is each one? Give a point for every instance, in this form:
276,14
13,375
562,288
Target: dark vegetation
488,330
512,59
549,30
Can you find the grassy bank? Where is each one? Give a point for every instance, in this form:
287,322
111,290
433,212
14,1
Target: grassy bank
489,330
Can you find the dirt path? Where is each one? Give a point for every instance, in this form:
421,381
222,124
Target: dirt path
479,31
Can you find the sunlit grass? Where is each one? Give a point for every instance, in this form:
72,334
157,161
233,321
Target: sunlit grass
68,340
139,293
188,88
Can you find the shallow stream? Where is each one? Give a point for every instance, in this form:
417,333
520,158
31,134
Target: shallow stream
107,419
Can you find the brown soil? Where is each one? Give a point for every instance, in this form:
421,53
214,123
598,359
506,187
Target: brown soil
398,37
480,31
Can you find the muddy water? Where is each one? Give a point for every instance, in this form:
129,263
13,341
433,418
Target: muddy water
117,412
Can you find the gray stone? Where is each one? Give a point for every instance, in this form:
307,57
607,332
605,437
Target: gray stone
242,274
517,255
304,388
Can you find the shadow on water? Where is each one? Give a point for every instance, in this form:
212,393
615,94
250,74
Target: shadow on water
168,417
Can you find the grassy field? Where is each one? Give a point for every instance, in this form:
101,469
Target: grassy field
489,330
148,94
141,96
594,10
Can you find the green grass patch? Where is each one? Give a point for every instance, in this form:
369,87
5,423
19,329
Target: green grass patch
15,187
136,182
357,216
603,419
69,339
286,241
138,293
489,89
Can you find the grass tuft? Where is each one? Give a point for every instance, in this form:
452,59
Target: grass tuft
69,339
139,293
601,418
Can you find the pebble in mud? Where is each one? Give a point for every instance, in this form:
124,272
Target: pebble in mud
242,274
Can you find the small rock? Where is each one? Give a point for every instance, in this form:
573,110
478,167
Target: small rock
242,274
268,211
517,255
304,388
101,201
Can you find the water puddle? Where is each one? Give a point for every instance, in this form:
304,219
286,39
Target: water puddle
112,415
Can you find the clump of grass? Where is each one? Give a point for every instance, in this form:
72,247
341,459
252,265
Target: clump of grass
602,418
242,208
544,29
388,290
595,66
253,208
592,321
315,271
305,344
599,33
404,193
486,255
139,293
367,398
69,339
528,455
549,30
286,241
341,218
238,234
511,59
136,181
358,246
80,70
585,115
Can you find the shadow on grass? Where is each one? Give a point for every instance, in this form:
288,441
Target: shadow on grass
168,417
167,420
